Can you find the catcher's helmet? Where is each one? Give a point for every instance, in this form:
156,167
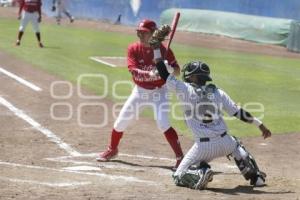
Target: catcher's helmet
147,25
198,68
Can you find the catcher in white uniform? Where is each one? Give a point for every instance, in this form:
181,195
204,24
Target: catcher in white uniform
203,105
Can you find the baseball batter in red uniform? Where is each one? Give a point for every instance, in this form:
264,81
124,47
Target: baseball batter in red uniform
30,11
150,90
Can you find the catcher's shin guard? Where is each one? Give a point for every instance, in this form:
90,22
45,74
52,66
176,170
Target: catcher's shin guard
248,167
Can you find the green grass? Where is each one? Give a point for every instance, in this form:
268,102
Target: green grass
274,82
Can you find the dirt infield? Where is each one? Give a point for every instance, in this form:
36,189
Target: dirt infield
43,158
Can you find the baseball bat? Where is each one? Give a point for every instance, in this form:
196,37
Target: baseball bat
173,30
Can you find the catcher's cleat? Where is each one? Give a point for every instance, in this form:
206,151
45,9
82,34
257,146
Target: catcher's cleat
41,45
205,179
107,155
178,161
259,182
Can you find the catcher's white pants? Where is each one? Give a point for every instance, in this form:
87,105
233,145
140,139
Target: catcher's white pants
30,17
207,151
138,100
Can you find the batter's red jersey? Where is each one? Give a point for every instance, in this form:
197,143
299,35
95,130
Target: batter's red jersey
30,6
140,59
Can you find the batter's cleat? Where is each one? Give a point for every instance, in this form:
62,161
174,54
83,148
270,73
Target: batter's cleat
41,45
178,161
72,20
207,177
107,155
18,43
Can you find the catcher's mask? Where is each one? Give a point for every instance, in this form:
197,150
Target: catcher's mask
197,68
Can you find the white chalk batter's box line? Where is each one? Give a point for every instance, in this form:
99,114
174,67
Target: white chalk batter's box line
218,166
37,126
20,80
112,165
43,183
117,178
100,166
97,59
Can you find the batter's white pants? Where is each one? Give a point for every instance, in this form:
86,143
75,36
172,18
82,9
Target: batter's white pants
207,151
138,100
30,17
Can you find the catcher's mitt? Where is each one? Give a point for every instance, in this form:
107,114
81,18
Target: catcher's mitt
159,35
53,9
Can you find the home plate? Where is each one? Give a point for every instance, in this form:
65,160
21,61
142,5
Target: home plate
110,61
83,168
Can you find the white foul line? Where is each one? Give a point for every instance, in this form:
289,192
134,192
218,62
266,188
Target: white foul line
70,184
20,80
83,168
39,127
103,62
112,177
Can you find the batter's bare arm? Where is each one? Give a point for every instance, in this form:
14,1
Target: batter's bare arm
136,71
133,66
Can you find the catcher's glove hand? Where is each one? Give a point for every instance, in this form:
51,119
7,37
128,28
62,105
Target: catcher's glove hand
53,9
159,35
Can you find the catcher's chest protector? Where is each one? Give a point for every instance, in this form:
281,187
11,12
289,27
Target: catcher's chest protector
206,109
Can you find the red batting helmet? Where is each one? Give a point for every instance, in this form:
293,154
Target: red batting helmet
147,25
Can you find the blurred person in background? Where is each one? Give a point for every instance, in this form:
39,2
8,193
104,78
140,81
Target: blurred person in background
60,7
30,11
